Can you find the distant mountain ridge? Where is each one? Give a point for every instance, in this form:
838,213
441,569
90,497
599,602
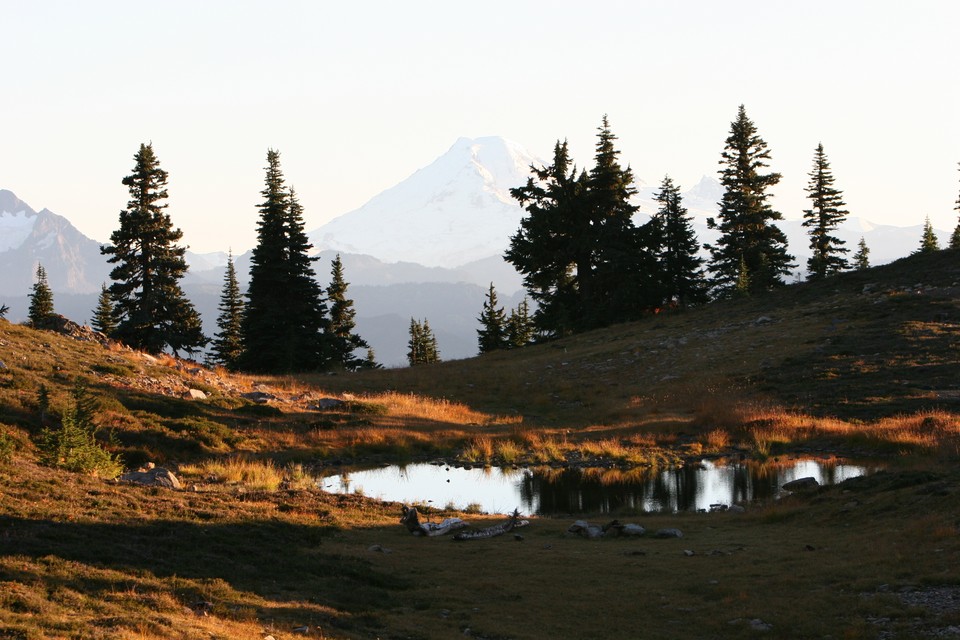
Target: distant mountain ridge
72,261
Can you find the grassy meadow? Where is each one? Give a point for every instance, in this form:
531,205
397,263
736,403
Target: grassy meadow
862,365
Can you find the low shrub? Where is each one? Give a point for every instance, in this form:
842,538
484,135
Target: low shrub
73,445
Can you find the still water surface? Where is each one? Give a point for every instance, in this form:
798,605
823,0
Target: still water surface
546,491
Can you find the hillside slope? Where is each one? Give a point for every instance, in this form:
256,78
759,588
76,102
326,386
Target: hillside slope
862,345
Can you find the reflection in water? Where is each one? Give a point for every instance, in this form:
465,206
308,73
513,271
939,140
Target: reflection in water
547,491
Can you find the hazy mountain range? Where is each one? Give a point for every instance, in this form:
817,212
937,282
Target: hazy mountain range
425,248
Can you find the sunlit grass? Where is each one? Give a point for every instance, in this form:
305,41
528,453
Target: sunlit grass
256,475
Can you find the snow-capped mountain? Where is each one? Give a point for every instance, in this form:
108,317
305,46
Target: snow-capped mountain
72,261
454,211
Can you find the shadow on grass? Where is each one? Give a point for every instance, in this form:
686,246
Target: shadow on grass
277,561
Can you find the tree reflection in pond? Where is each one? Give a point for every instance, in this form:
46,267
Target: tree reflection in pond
544,490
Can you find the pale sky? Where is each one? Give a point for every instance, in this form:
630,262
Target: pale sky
358,95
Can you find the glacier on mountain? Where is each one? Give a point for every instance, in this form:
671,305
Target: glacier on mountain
15,228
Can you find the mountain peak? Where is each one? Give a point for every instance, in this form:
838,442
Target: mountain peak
10,203
708,189
453,211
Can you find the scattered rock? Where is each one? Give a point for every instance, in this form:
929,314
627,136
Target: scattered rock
630,529
302,630
152,477
802,484
736,508
763,320
585,529
325,404
376,548
71,329
759,625
196,394
689,552
260,397
668,533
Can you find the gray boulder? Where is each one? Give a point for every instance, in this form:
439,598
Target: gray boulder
152,477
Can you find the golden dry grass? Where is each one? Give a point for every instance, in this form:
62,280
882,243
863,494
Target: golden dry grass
256,475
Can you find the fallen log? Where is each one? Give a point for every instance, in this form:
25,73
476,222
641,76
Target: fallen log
411,520
514,522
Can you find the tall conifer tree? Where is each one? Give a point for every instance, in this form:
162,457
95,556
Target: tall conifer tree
583,260
41,300
520,328
623,280
861,259
344,341
749,240
422,347
492,334
284,322
227,346
677,247
103,314
955,236
822,220
151,311
549,249
928,242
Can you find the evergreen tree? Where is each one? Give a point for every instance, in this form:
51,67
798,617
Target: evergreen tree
583,260
929,242
370,362
520,329
680,267
4,309
41,301
227,346
823,218
422,347
748,236
149,307
284,323
623,282
548,249
492,334
955,237
861,259
103,315
344,342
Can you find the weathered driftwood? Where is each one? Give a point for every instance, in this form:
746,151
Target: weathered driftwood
514,522
411,520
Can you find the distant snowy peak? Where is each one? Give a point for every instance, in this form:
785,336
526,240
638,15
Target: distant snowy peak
456,210
490,165
17,220
15,228
708,190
